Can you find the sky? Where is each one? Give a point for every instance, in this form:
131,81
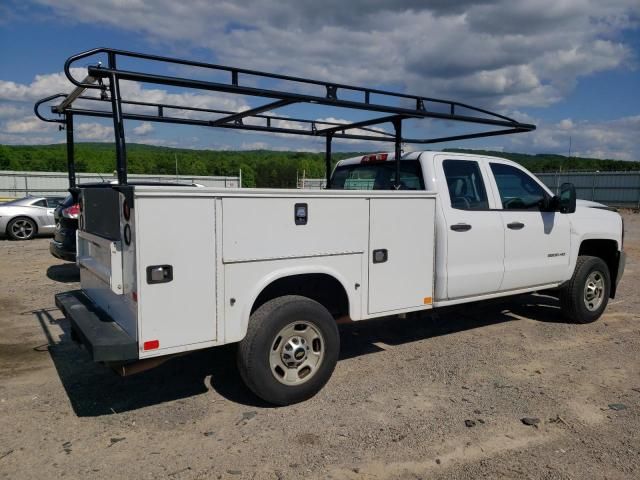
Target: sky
571,67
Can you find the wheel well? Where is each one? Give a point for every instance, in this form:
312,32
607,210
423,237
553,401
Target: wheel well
607,250
320,287
22,216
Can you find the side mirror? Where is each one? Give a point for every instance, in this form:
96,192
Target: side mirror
567,198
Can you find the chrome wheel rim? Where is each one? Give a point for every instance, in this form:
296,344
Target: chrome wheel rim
296,353
22,229
594,290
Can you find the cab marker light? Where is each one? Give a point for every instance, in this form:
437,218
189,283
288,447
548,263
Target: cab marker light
375,157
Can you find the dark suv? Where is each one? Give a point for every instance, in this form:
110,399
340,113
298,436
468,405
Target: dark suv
63,245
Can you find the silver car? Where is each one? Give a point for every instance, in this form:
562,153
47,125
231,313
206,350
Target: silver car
24,218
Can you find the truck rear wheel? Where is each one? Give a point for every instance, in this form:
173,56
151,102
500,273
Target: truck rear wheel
585,296
290,350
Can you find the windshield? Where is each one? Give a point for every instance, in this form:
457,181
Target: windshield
378,176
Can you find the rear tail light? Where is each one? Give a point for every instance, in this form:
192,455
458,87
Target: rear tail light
375,157
151,345
71,212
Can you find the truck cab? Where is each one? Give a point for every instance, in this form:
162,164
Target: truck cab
499,230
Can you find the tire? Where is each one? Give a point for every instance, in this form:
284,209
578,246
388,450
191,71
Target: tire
22,228
585,296
290,350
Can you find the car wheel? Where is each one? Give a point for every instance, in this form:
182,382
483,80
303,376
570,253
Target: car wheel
290,350
585,296
22,228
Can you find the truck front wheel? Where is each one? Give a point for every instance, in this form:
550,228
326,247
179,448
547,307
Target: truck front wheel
585,296
290,350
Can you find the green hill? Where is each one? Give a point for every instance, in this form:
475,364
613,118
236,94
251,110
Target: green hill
260,168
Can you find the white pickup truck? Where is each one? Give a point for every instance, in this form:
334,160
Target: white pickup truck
167,270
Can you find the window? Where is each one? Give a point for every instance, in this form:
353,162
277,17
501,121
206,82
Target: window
518,191
53,202
466,188
40,203
378,176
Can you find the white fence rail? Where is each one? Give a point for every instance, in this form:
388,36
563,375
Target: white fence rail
20,184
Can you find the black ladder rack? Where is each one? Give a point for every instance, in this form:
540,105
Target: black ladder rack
331,94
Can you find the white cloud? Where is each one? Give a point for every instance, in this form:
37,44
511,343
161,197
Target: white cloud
615,139
499,52
41,86
94,132
27,125
143,129
11,111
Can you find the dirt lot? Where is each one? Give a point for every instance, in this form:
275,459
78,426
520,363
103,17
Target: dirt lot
395,408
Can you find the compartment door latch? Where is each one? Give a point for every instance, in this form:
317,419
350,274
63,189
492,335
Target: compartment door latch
159,274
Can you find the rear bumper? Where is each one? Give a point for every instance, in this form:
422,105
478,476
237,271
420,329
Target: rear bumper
105,340
58,250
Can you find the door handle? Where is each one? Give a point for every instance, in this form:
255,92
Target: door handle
461,227
515,225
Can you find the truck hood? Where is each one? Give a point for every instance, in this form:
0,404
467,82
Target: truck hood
582,204
588,203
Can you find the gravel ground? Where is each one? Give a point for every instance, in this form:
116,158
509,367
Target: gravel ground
440,396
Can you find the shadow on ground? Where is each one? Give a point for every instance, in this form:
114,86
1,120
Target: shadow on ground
95,390
66,273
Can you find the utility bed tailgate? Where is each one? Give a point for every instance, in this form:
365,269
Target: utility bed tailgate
106,255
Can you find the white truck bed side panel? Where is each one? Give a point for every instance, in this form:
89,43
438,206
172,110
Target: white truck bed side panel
179,232
405,229
259,229
245,280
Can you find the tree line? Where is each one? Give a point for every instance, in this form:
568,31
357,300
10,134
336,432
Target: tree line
260,168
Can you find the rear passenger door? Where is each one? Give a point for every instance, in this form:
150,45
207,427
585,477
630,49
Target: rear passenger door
475,239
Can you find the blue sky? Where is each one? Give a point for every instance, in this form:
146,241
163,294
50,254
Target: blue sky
569,66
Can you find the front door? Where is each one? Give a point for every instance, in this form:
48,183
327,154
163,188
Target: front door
536,242
475,239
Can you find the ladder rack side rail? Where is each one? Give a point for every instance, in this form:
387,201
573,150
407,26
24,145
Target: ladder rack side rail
296,97
206,123
235,71
164,106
